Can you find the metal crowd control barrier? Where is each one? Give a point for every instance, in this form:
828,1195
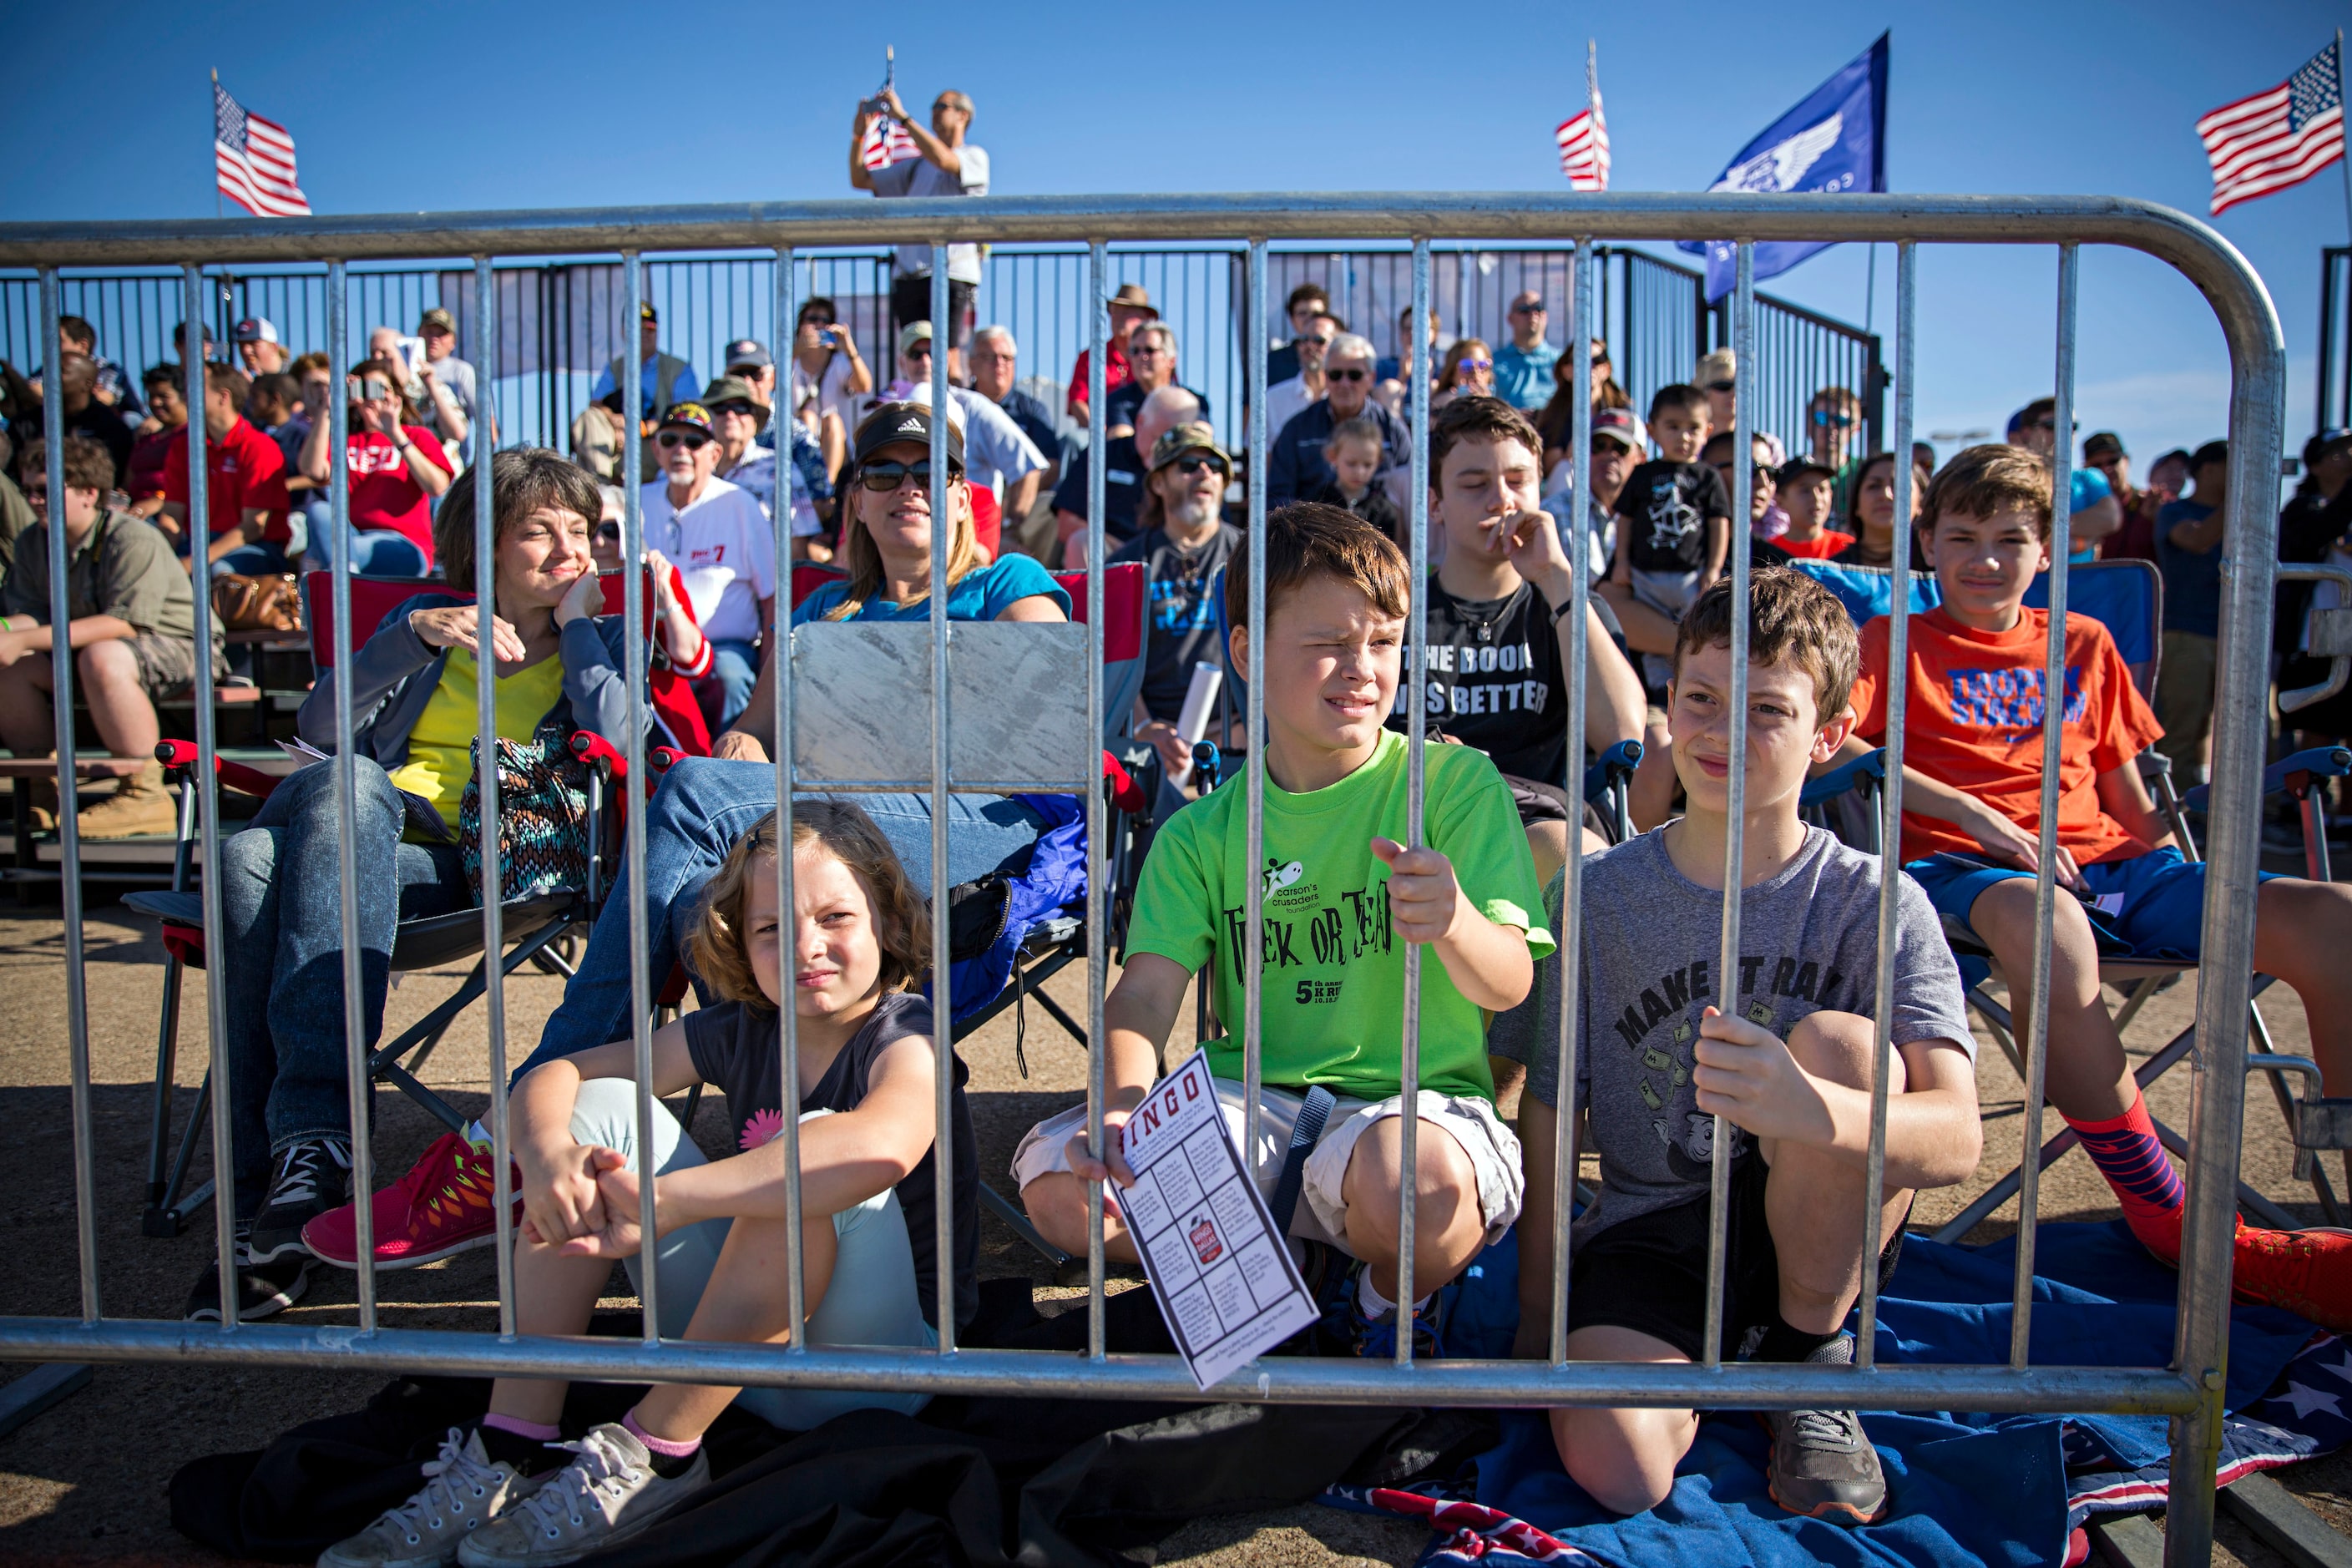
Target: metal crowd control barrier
2189,1389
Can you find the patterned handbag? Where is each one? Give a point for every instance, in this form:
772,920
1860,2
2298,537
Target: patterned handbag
542,816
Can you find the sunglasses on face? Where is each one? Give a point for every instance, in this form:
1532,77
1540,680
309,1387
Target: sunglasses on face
1528,310
692,440
1139,350
743,409
1349,374
1473,364
1826,418
1319,340
1721,385
1192,463
884,477
608,533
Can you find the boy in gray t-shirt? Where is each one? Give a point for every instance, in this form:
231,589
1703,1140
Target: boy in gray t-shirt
1783,1051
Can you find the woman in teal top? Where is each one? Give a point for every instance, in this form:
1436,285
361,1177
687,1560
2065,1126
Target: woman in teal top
887,542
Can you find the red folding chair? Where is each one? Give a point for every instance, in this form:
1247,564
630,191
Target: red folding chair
530,924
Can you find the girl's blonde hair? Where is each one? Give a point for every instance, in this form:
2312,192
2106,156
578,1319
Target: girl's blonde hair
863,558
718,949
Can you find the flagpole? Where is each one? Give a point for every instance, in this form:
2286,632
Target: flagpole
2343,106
215,107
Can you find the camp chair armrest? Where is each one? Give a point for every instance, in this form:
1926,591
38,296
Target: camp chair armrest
661,759
180,756
1125,792
1611,768
2288,772
599,753
1867,770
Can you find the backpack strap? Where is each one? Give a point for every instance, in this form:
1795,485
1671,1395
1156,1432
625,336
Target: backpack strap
1313,1112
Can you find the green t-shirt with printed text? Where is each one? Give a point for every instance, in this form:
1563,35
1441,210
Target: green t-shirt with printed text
1333,1004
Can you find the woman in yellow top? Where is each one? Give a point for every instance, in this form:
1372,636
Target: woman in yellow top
280,959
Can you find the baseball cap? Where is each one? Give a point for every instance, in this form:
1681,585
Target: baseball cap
1796,471
1618,425
733,389
1719,365
913,332
893,422
436,320
748,351
2103,443
255,330
688,417
1193,436
645,313
2211,452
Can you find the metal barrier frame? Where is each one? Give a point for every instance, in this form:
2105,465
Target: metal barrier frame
2189,1389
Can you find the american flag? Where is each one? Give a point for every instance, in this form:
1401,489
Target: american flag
1585,138
2279,137
886,142
254,160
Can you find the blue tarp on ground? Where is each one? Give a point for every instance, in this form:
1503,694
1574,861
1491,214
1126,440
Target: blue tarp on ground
1965,1489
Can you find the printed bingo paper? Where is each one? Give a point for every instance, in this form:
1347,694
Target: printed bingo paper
1217,1263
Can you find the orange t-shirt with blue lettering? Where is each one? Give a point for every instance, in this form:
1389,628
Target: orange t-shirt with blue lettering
1973,720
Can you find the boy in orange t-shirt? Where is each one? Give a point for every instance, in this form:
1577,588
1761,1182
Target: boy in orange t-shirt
1972,795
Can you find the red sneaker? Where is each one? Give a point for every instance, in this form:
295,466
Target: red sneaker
445,1204
2308,1272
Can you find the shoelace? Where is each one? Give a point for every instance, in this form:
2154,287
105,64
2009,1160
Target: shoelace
297,1170
566,1496
453,1471
1823,1428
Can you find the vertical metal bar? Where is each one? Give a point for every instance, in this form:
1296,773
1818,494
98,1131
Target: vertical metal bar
942,1019
784,327
1735,834
1572,898
1890,832
2035,1035
1099,1052
632,815
207,787
1416,796
359,1087
1254,718
486,696
61,687
2232,848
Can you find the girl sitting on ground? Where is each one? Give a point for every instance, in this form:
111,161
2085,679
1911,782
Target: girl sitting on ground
858,942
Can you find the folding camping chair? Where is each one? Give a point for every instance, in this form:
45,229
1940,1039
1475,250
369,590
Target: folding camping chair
530,925
2126,597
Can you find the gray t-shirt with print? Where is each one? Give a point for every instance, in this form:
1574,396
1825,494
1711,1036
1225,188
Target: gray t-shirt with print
1652,938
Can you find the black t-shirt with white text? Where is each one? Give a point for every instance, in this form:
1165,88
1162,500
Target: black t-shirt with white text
1668,505
1494,678
735,1050
1184,615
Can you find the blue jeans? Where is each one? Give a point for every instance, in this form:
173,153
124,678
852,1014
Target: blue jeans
871,1298
703,806
263,557
374,551
734,667
279,958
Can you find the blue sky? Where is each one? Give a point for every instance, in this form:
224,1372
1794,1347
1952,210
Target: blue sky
739,103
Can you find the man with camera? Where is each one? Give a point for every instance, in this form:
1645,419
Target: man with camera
950,166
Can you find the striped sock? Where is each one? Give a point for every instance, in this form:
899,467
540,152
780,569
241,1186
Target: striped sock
2128,1155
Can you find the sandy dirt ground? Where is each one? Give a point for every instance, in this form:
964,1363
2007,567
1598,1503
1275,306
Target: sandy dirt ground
86,1481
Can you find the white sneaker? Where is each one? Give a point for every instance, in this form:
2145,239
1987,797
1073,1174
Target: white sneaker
464,1491
606,1495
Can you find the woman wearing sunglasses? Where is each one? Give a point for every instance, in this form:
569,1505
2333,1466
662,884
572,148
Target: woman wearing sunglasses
1468,372
398,470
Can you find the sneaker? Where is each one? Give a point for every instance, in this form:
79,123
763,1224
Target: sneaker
606,1495
263,1290
1822,1464
464,1490
142,807
314,1176
1374,1338
447,1204
2308,1272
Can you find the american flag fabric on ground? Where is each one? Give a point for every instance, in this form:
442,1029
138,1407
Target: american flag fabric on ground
2278,137
254,160
885,147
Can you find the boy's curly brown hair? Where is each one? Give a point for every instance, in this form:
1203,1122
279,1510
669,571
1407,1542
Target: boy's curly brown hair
902,923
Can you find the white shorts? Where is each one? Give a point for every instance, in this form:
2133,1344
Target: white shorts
1322,1214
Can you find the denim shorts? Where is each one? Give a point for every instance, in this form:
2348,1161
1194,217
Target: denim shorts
2147,906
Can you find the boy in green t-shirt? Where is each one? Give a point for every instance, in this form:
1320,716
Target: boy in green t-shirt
1341,896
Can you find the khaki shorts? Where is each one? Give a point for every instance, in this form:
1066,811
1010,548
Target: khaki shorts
167,665
1322,1214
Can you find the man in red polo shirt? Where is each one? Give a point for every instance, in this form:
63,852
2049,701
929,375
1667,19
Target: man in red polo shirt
245,488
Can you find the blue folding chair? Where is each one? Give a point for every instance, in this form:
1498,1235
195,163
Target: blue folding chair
2126,597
